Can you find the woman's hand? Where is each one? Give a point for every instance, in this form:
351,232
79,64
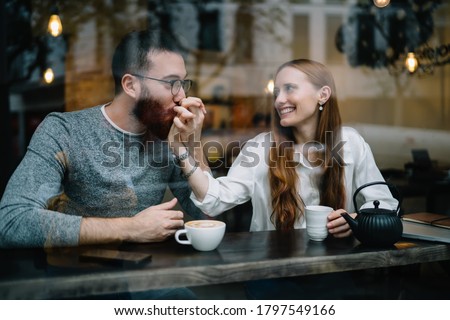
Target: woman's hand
187,124
337,226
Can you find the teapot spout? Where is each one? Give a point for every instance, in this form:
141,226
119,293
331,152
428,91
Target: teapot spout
351,222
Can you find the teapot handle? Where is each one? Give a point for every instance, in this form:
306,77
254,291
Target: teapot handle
396,194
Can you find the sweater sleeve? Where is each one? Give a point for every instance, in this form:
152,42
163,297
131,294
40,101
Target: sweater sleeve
25,217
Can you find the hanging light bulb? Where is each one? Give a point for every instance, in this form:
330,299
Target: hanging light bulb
411,62
270,86
381,3
54,24
49,76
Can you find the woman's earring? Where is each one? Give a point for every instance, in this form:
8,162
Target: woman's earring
320,107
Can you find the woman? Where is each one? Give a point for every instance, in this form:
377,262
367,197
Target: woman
307,159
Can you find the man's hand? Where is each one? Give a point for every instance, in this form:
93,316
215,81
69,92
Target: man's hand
155,223
337,226
187,124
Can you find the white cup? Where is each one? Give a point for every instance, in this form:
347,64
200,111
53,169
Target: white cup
316,222
203,235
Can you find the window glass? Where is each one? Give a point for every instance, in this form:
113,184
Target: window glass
300,39
333,56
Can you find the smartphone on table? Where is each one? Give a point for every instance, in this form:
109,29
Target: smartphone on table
114,256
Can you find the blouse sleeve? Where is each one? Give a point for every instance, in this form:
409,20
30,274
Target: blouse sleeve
238,186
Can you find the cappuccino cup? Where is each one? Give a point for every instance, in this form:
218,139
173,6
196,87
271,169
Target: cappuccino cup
316,222
203,235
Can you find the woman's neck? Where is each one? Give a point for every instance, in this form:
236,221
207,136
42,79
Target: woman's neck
305,134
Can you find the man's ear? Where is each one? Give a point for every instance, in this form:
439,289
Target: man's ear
324,94
130,85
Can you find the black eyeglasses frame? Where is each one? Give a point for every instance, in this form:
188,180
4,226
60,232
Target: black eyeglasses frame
186,84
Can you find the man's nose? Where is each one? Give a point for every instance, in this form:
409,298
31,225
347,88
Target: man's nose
179,96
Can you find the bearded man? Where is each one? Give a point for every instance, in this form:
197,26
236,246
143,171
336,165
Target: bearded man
100,175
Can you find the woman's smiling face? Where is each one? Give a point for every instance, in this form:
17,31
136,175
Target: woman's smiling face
296,99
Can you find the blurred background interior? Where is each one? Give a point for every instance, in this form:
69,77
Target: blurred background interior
390,60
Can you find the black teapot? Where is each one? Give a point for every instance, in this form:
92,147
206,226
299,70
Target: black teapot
376,226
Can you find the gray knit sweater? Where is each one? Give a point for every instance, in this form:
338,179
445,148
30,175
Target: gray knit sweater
78,164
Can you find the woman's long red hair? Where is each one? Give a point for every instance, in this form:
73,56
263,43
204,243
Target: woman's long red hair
286,201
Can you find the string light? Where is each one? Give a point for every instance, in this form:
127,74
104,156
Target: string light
381,3
49,76
270,86
411,62
54,24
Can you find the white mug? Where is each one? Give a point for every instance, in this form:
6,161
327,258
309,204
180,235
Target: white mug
203,235
316,222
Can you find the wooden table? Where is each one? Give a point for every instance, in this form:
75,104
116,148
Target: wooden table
59,273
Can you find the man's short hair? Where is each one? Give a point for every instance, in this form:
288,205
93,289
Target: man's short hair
131,53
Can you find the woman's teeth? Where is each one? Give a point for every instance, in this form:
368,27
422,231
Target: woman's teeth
286,110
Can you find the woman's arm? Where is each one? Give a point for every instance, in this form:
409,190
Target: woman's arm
185,141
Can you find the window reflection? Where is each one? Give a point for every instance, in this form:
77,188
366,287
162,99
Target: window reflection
232,49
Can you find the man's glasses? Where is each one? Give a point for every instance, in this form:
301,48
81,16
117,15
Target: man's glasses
175,85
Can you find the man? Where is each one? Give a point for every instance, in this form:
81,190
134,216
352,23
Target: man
99,175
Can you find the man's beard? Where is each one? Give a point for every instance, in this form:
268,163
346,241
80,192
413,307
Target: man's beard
156,118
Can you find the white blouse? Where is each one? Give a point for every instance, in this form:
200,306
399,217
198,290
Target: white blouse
248,179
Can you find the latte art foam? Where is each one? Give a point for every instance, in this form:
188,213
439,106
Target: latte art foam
203,224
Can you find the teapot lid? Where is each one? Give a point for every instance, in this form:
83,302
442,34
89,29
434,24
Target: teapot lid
377,210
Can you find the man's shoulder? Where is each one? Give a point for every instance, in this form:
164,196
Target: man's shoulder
77,115
55,120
